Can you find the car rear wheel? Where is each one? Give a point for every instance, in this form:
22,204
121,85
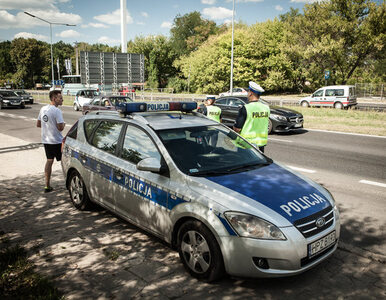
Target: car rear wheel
338,105
199,251
76,107
304,104
78,192
269,126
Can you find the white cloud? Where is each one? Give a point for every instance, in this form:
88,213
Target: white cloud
21,20
217,13
94,25
68,34
141,23
228,22
209,2
304,1
278,7
166,25
114,18
245,1
27,4
108,41
144,14
28,35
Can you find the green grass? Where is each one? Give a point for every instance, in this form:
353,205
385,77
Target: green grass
351,120
18,279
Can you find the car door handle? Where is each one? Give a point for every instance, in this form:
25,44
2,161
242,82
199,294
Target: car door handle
118,175
83,158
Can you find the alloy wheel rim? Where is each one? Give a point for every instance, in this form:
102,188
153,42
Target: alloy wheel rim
196,251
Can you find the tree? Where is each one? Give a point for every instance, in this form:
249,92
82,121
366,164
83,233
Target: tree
190,31
337,35
31,58
6,66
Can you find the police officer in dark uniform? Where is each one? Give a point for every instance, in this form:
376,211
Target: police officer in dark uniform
252,120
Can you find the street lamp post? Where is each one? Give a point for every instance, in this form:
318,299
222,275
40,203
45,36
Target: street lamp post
51,23
233,29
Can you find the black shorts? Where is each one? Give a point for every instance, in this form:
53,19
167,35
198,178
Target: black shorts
53,151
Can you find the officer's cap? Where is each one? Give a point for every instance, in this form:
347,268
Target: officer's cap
254,87
210,97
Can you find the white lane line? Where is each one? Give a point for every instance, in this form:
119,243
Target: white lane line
302,170
347,133
373,183
279,140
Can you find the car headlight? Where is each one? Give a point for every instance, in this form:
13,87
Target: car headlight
253,227
279,117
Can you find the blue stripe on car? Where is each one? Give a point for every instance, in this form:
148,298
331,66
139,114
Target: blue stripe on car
278,189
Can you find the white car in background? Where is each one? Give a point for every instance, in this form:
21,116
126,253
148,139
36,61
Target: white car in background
235,92
84,96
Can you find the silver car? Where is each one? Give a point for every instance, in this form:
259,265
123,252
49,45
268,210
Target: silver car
225,206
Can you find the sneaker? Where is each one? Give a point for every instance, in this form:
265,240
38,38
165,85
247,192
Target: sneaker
48,189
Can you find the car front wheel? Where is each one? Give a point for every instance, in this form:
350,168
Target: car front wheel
304,104
78,192
76,107
269,126
199,251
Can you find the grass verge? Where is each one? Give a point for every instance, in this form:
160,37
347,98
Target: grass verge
351,120
18,279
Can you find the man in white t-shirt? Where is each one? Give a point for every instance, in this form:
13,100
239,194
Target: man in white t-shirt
52,124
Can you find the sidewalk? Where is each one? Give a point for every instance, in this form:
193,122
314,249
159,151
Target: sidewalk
95,255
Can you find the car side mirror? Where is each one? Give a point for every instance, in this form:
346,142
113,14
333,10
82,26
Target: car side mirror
150,164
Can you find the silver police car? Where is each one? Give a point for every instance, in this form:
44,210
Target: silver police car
198,185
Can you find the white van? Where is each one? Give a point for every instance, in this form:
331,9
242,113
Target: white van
338,96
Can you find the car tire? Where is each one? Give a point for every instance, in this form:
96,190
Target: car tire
76,107
305,104
31,102
22,106
200,252
338,105
269,126
78,192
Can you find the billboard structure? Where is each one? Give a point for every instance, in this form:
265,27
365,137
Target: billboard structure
111,70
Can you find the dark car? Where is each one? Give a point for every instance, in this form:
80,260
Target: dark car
104,103
9,98
281,119
26,96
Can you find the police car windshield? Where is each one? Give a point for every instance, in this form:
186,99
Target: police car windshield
210,150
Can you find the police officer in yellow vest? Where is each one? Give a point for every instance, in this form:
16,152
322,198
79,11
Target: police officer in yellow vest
209,110
252,120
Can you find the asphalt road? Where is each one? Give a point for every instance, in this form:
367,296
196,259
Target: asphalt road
351,167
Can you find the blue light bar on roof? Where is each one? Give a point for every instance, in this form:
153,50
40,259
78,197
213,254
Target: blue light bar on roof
127,108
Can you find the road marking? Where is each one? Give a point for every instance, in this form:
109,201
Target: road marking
279,140
347,133
301,169
373,183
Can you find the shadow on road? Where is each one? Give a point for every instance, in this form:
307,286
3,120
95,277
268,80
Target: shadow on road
94,254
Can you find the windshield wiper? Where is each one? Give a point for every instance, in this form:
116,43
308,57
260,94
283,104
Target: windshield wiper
248,166
209,173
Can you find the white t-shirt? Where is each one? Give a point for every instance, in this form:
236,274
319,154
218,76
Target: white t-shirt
49,116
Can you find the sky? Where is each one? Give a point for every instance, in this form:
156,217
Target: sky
98,21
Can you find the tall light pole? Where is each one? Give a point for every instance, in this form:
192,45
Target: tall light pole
233,30
51,23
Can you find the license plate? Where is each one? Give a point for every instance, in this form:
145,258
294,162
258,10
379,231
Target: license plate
321,244
298,125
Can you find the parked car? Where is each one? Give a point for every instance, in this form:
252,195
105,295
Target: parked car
9,98
236,92
202,188
84,96
26,96
281,119
337,96
105,103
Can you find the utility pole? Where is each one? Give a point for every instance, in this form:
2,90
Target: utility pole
233,30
